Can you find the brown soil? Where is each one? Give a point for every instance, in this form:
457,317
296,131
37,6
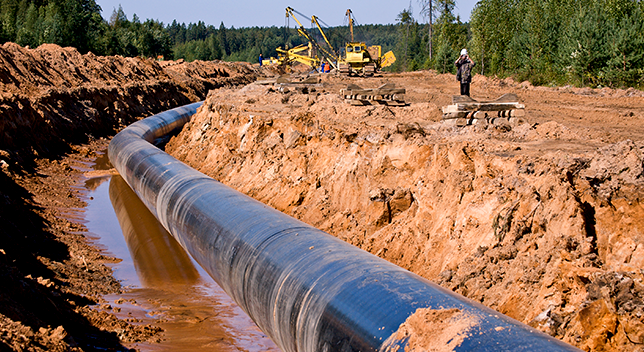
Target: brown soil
542,221
52,97
436,330
55,108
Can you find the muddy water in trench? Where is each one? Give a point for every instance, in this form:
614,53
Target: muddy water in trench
166,287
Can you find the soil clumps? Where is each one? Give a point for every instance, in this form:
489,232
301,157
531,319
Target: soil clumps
57,97
541,221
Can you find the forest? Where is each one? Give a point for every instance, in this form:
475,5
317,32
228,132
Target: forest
548,42
581,42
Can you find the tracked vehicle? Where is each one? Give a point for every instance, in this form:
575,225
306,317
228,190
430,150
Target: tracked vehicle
362,60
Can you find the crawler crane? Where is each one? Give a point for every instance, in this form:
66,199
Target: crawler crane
307,53
360,59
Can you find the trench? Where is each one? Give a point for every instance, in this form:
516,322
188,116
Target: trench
307,290
164,286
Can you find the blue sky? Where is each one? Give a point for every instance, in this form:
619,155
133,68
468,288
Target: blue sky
262,13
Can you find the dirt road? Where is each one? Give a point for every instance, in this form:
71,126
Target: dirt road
541,221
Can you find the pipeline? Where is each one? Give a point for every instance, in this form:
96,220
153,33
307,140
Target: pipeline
307,290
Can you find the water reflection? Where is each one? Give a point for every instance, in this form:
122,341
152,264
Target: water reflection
171,291
93,183
158,259
102,161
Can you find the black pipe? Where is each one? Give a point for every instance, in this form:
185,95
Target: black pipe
306,289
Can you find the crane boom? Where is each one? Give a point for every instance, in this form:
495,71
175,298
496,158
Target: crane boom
349,14
330,56
289,12
314,19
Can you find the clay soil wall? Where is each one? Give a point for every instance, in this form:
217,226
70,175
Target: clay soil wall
542,221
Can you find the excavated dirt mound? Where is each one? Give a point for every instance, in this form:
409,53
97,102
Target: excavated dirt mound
52,99
542,221
56,96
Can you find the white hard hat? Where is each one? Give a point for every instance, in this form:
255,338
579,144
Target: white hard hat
464,52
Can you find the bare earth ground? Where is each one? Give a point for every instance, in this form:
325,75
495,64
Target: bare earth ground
56,107
541,221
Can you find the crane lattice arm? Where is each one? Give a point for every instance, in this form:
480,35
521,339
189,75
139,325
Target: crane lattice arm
331,57
349,15
314,19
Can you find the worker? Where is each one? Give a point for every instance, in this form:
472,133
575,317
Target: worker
464,72
327,67
261,60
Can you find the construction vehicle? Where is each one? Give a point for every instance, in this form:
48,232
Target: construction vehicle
362,60
302,53
311,54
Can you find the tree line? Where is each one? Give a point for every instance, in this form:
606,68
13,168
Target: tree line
199,41
581,42
548,42
78,23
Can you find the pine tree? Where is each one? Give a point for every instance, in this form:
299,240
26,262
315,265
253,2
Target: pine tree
9,10
223,39
626,48
428,8
118,18
585,47
405,21
52,24
28,33
451,37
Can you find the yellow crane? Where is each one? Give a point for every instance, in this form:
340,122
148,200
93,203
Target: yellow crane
362,60
314,20
313,48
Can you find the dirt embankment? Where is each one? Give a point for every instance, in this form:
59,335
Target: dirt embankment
542,221
55,107
53,96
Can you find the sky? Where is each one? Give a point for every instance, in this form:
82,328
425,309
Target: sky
262,13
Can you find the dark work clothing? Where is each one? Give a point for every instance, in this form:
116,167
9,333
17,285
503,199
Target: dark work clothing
464,73
465,89
465,65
